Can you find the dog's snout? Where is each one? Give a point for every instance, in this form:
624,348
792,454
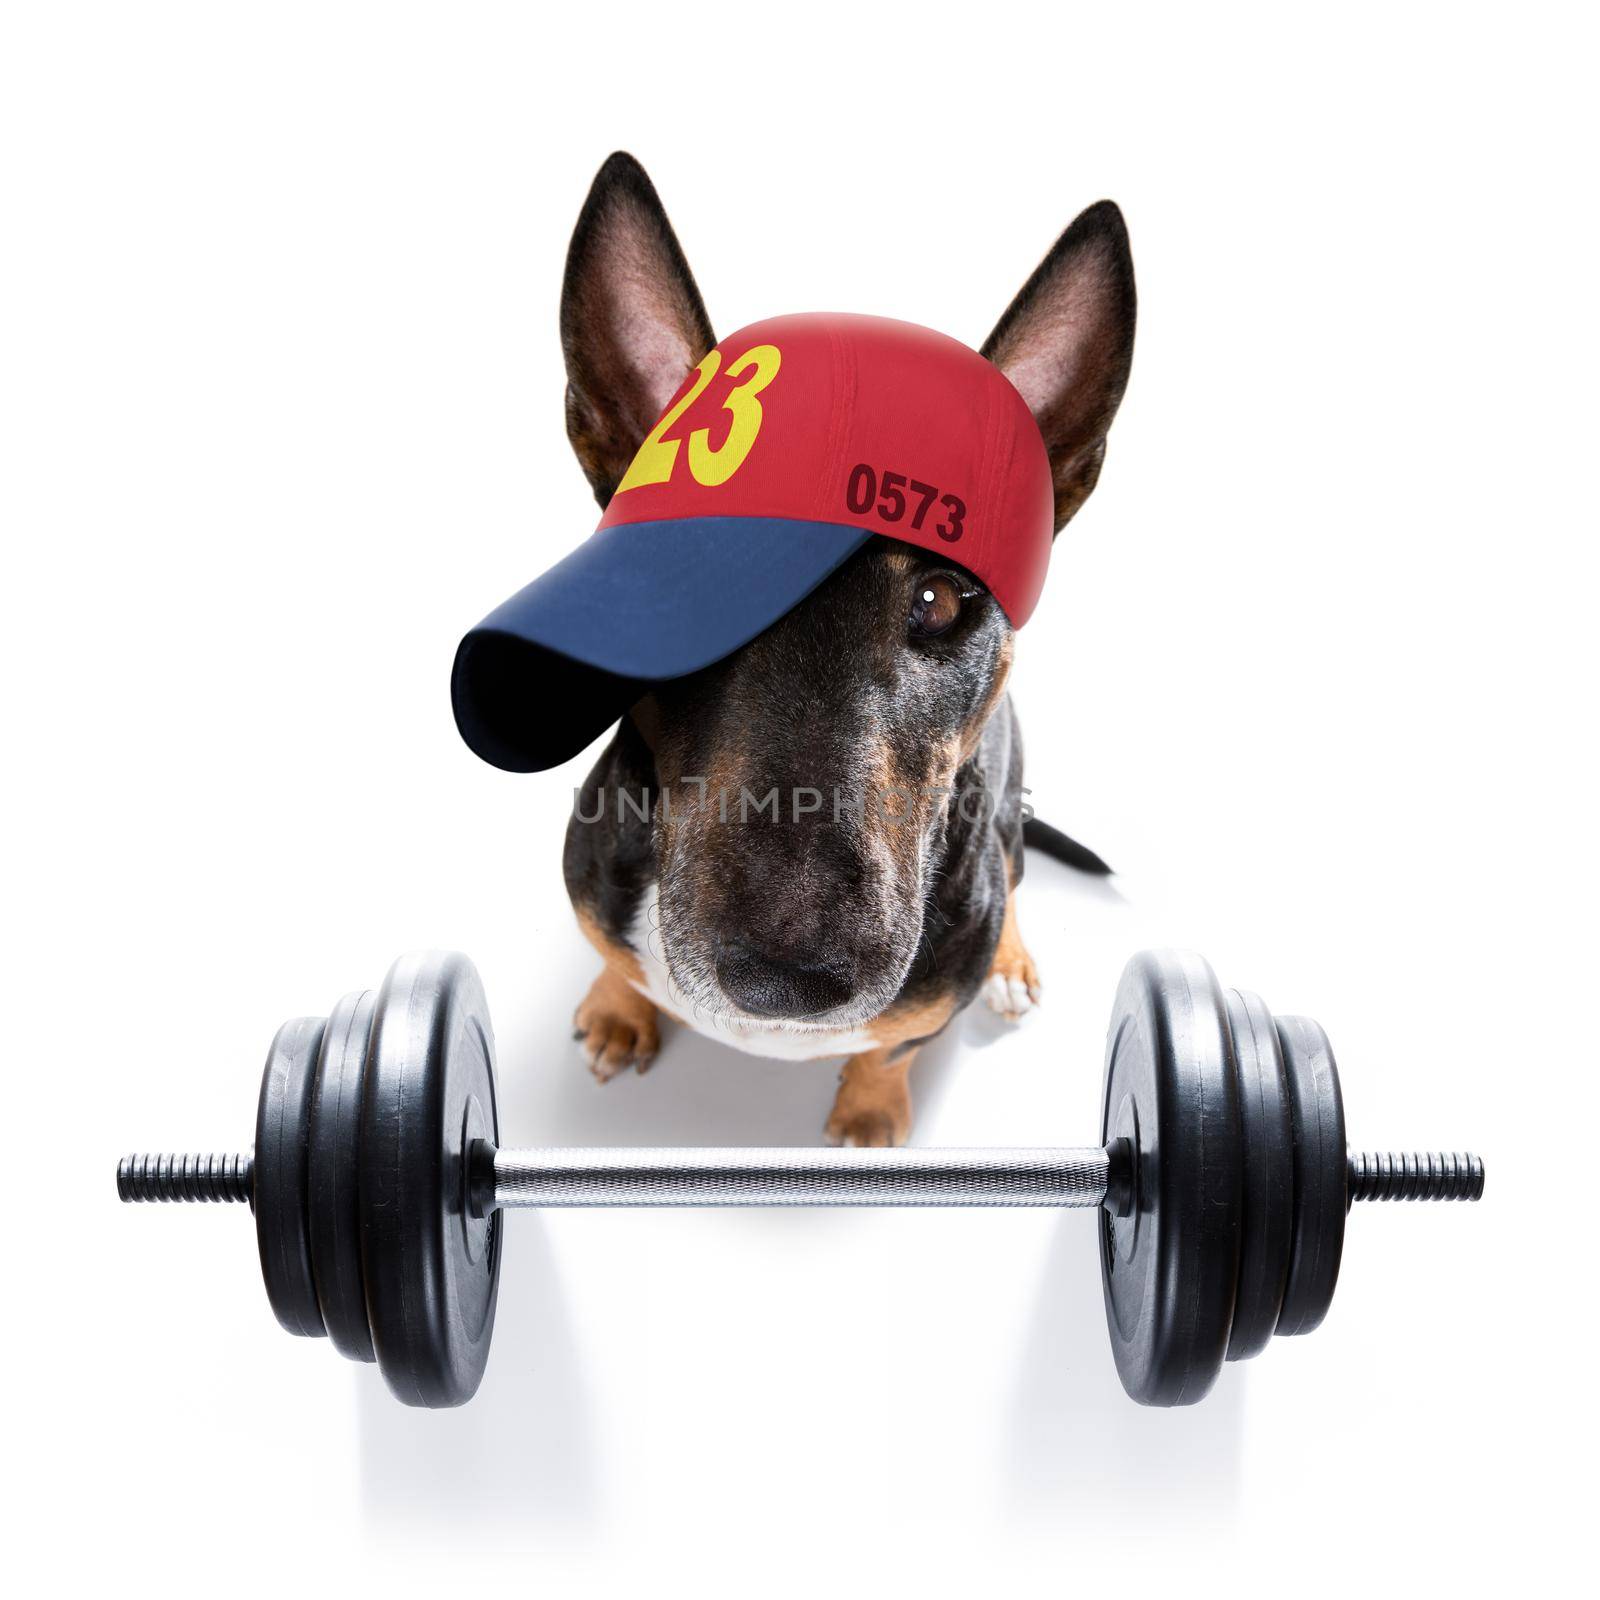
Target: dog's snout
769,982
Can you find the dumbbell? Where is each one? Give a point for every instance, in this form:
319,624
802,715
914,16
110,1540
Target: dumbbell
1222,1176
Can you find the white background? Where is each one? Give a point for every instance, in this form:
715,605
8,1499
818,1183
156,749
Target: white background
1315,669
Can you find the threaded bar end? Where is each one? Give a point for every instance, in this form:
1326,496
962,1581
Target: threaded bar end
1431,1175
192,1178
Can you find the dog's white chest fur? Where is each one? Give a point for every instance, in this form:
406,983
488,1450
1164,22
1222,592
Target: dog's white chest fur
783,1041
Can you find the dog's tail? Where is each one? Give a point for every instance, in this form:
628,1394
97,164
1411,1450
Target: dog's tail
1039,835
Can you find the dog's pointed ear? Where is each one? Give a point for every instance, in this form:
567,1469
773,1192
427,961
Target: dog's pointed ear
1066,342
632,321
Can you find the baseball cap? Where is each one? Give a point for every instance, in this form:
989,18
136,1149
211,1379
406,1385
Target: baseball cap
790,445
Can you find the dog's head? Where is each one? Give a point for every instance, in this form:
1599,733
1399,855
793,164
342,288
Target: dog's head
807,780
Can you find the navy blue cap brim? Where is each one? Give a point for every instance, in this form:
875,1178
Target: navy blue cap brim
551,669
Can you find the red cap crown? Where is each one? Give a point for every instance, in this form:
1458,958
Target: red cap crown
863,423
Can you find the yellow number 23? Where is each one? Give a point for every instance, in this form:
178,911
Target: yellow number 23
658,455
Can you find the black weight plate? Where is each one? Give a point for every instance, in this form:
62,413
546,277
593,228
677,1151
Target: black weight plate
283,1117
432,1269
1321,1174
1169,1266
335,1163
1268,1214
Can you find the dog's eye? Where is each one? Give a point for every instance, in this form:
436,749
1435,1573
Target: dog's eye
935,605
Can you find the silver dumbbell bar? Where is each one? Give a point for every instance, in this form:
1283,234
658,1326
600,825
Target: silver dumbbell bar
800,1177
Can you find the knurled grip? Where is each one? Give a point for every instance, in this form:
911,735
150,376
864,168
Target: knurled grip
800,1177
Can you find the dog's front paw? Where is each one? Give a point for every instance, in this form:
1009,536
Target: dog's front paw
1012,987
616,1028
872,1110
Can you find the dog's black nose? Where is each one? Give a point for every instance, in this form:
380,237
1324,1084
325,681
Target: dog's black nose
770,985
